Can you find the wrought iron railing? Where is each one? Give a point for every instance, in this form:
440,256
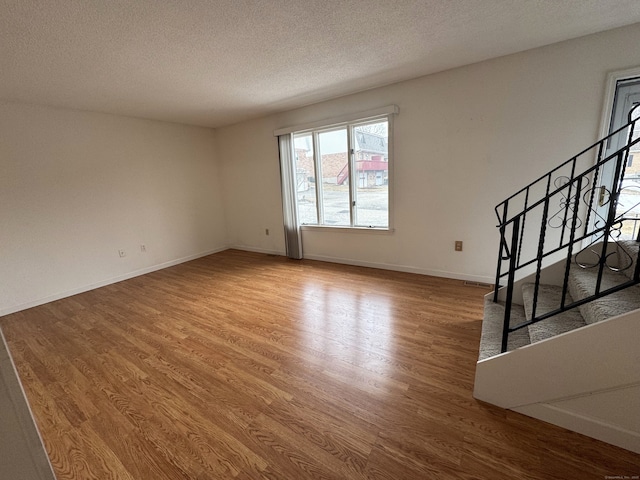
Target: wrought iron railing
551,219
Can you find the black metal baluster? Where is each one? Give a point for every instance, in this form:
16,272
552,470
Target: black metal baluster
636,273
543,233
593,185
615,191
524,219
567,268
502,245
568,202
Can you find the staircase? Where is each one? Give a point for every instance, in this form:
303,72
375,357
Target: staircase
581,285
561,332
343,174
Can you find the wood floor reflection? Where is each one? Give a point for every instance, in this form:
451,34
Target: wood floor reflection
248,366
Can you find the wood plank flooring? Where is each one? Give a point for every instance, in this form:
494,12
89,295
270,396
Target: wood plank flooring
248,366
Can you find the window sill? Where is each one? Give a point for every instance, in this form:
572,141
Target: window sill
328,228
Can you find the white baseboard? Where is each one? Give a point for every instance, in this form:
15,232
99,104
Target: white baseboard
382,266
590,427
153,268
119,278
247,248
403,268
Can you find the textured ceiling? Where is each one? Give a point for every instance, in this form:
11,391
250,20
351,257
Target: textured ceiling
217,62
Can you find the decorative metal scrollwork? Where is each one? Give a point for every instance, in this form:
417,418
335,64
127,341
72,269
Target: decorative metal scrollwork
562,217
619,259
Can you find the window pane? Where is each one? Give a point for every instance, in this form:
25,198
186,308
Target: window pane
371,144
335,177
305,179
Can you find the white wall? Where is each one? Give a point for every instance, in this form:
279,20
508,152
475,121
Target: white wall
75,187
465,139
251,186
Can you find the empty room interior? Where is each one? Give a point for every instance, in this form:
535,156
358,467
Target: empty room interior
319,240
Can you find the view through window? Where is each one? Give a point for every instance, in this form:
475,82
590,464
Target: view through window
342,175
628,205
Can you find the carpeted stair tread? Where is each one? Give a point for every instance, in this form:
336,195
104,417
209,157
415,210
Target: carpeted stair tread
582,284
491,339
549,298
631,248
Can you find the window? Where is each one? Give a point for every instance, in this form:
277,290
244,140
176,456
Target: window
342,174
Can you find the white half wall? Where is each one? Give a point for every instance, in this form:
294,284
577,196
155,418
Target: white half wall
586,380
611,416
465,139
76,187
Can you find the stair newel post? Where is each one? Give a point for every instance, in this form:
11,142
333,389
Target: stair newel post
502,245
512,270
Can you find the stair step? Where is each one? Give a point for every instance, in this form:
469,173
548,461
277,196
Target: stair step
549,298
491,339
582,283
631,248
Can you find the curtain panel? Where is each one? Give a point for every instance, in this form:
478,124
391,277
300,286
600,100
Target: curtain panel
292,234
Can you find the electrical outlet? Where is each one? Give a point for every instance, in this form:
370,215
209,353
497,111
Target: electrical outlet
122,253
458,246
266,231
143,248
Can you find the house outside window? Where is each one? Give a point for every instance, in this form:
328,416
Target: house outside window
343,175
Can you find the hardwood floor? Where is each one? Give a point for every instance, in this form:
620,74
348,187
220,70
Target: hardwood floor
247,366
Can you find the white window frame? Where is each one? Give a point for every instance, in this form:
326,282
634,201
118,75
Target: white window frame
350,125
610,92
390,111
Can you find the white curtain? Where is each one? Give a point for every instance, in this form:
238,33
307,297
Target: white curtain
292,236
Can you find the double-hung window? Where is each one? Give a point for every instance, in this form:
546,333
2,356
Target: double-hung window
343,174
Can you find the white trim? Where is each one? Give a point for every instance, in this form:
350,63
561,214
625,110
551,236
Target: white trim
605,120
349,128
609,95
329,122
403,268
332,229
590,427
119,278
266,251
391,177
381,266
